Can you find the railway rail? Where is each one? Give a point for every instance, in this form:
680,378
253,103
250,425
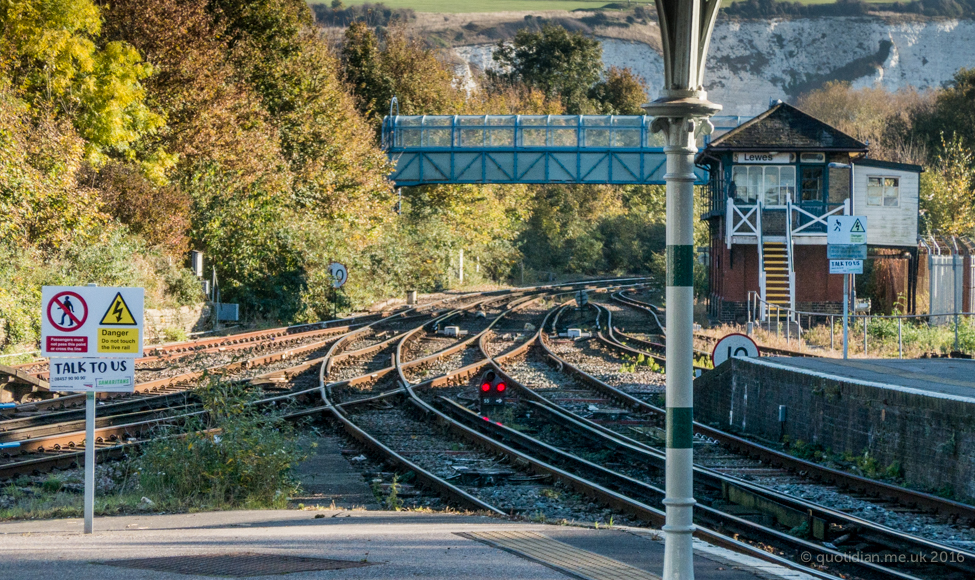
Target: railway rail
387,381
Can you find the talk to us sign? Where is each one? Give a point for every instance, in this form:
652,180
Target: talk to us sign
93,336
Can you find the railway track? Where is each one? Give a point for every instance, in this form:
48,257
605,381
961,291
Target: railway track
403,392
439,406
48,434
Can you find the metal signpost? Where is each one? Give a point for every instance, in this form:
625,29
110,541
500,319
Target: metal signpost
92,336
732,345
846,239
681,113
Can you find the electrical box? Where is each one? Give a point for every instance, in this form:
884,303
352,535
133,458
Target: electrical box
196,263
228,313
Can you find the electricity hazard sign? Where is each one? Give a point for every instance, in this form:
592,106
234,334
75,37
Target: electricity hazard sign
79,321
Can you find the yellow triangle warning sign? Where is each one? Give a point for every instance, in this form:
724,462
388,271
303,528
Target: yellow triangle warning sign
857,227
118,313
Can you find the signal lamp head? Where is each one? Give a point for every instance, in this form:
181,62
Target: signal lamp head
501,387
486,387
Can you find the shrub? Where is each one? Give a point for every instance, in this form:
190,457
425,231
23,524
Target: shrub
235,456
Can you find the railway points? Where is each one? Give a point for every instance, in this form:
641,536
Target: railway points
405,393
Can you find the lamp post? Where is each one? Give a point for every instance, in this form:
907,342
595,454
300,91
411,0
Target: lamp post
683,108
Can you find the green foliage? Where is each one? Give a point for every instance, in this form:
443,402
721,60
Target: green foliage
621,93
948,190
235,457
553,60
52,55
952,115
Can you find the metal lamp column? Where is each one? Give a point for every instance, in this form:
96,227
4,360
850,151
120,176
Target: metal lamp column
682,109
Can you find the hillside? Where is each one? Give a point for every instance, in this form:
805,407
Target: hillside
750,61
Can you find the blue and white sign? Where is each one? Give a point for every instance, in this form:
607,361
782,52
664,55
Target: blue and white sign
846,266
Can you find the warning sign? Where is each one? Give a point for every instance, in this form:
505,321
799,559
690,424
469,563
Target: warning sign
846,229
118,341
118,314
71,326
67,311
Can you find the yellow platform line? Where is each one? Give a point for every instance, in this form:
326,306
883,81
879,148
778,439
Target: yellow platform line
560,556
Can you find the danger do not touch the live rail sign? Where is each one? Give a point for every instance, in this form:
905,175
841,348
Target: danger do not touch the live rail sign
86,321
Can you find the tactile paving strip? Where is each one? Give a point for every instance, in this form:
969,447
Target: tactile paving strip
560,556
236,565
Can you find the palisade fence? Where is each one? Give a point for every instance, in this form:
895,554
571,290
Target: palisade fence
794,325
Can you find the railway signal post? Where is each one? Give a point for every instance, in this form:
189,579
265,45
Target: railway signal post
681,112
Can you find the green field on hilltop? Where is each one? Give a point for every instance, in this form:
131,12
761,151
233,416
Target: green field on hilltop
448,6
453,7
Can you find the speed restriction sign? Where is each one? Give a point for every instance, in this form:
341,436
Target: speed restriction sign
340,274
733,345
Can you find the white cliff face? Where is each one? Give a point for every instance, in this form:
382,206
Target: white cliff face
752,62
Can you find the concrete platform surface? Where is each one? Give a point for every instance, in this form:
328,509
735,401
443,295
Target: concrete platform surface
378,544
954,378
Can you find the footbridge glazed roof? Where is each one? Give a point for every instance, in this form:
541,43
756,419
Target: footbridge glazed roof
786,128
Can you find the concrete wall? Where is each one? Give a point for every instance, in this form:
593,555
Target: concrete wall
933,438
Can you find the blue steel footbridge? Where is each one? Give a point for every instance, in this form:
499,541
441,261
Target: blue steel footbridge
597,149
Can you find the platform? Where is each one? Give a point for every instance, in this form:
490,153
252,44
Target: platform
360,544
954,378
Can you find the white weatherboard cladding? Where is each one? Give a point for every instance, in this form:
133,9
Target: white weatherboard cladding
888,226
752,61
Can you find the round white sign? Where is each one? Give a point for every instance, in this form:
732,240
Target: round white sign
733,345
340,274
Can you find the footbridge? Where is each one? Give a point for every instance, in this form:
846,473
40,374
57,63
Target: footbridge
598,149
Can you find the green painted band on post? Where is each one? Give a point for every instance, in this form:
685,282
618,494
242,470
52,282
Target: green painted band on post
680,427
680,265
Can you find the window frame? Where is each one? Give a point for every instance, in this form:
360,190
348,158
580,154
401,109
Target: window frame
882,199
757,173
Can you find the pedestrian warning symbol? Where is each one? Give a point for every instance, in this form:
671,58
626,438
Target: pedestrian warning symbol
857,227
118,313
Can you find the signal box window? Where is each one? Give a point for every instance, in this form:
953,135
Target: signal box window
883,191
773,185
812,184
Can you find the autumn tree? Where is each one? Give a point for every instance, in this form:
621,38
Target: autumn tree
51,53
553,60
948,190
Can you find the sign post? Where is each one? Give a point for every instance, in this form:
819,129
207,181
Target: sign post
92,336
846,238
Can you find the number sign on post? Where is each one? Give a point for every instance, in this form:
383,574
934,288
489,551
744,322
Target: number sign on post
733,345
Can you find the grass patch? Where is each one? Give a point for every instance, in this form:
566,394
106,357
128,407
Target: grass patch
234,456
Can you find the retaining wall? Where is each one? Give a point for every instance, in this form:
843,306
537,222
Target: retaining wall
932,437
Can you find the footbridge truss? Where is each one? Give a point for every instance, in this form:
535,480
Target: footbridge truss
429,149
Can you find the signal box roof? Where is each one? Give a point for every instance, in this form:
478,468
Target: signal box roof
786,128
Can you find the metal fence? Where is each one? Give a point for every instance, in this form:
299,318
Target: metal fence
793,324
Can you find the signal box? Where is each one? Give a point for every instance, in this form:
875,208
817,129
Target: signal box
492,391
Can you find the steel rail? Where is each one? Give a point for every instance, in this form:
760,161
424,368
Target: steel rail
790,511
647,455
909,498
606,496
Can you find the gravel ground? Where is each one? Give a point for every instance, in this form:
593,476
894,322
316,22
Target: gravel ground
494,482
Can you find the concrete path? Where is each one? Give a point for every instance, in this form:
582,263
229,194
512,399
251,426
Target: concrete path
391,544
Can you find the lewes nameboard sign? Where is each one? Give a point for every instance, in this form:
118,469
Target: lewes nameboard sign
754,157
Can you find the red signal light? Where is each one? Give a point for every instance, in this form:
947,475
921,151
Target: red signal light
486,387
501,387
